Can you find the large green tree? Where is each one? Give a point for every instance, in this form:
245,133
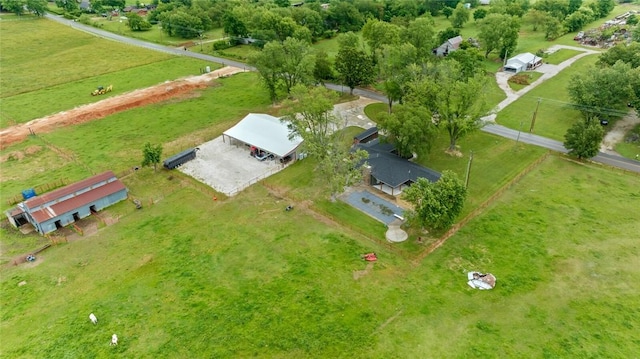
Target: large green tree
14,6
410,128
597,91
310,115
436,205
379,33
583,139
460,16
395,61
457,101
421,34
354,66
284,65
151,155
499,32
37,7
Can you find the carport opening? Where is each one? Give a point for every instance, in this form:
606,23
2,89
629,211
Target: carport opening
76,216
58,225
93,209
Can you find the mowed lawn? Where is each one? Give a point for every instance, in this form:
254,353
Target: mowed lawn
555,113
242,277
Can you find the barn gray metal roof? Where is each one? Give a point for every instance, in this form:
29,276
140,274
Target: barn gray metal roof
265,132
82,193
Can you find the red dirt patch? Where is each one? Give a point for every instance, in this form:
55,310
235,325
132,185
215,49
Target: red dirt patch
97,110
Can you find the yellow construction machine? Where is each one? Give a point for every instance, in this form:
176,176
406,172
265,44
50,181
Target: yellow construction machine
101,90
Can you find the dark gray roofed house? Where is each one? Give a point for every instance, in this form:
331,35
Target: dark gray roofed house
389,172
366,136
68,204
448,46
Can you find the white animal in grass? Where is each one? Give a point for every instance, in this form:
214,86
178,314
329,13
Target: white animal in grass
93,318
114,340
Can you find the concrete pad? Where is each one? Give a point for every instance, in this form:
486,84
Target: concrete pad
228,168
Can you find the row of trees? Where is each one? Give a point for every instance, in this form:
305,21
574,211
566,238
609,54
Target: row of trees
18,7
598,93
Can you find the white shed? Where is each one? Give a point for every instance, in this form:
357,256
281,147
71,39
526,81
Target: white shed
522,62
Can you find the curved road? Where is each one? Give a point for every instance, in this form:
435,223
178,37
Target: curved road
525,137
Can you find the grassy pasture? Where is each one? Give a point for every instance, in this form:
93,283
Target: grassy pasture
39,54
226,281
555,114
24,107
116,142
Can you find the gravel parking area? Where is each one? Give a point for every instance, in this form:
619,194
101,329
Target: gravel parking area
228,168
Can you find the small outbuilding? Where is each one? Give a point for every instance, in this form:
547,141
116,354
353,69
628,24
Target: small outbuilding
56,209
448,46
523,62
265,136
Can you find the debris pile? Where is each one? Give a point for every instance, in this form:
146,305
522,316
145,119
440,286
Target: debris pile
478,280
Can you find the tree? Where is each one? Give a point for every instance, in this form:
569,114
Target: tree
596,91
583,139
553,28
499,32
151,155
479,14
394,62
574,5
354,66
578,20
458,102
460,16
629,54
343,17
14,6
410,128
378,33
137,22
536,18
310,116
284,65
420,33
470,60
38,7
447,34
447,12
322,70
436,205
632,20
603,7
67,5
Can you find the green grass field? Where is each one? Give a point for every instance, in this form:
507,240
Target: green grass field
555,114
628,148
190,276
533,76
224,281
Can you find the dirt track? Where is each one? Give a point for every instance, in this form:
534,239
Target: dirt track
108,106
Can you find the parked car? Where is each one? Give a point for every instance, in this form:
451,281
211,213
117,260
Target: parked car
579,36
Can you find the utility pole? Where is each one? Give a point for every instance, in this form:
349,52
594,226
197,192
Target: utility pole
466,181
533,120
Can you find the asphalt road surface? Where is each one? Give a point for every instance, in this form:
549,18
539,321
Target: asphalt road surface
525,137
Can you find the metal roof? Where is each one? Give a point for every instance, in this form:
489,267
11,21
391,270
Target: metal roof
391,169
76,202
265,132
45,198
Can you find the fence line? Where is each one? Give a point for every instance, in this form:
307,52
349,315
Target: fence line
39,189
456,227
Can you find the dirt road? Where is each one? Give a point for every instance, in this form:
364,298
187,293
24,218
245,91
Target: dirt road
97,110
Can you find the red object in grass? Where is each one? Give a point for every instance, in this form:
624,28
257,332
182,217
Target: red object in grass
370,257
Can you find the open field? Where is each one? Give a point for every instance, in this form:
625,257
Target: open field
190,276
225,281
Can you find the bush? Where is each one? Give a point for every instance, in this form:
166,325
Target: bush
221,45
85,19
520,79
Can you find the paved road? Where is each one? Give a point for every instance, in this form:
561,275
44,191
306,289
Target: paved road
612,160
